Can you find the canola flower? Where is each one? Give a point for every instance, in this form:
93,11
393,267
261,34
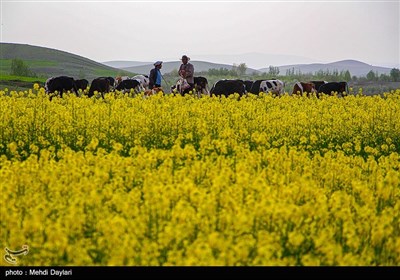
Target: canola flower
171,180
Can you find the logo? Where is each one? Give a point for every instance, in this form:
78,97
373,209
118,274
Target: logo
10,254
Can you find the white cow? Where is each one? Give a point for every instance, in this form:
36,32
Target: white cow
274,86
118,80
180,86
143,80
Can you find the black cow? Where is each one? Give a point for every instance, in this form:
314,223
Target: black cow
317,84
61,84
127,85
332,87
255,87
201,85
228,87
111,80
101,85
82,84
248,84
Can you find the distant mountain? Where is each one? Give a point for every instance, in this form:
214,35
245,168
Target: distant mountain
124,63
356,68
174,65
48,62
256,60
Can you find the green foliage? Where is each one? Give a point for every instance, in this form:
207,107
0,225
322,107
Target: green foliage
273,71
395,75
347,76
384,78
371,76
221,72
240,69
22,78
19,68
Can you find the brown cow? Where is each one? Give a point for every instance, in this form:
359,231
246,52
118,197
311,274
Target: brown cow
300,88
155,90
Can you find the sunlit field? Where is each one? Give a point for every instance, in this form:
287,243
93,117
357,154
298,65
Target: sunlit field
178,180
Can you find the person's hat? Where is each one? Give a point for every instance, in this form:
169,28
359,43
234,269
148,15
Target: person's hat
157,63
185,56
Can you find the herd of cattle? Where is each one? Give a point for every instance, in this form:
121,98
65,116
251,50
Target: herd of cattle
277,87
101,85
140,83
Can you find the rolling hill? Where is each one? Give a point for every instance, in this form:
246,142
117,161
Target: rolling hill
356,68
174,65
46,62
256,60
124,63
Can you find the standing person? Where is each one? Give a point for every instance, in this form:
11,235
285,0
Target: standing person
155,75
186,71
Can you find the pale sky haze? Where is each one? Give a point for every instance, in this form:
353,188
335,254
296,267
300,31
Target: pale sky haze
322,31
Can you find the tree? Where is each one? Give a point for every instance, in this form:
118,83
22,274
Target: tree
19,68
238,70
290,71
384,78
395,74
241,69
219,72
371,76
347,76
273,71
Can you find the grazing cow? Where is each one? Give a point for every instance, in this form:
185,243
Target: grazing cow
248,84
155,90
81,84
255,87
46,84
119,79
201,86
332,87
317,84
175,88
228,87
181,86
299,88
111,80
101,85
143,79
274,86
61,84
127,85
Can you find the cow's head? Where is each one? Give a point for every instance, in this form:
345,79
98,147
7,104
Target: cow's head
343,87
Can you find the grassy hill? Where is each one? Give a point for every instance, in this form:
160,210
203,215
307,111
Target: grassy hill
46,62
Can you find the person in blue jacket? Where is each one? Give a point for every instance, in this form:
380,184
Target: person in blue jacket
155,75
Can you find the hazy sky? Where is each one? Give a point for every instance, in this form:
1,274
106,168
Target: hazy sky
164,30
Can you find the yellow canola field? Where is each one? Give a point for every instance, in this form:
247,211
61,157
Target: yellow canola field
170,180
